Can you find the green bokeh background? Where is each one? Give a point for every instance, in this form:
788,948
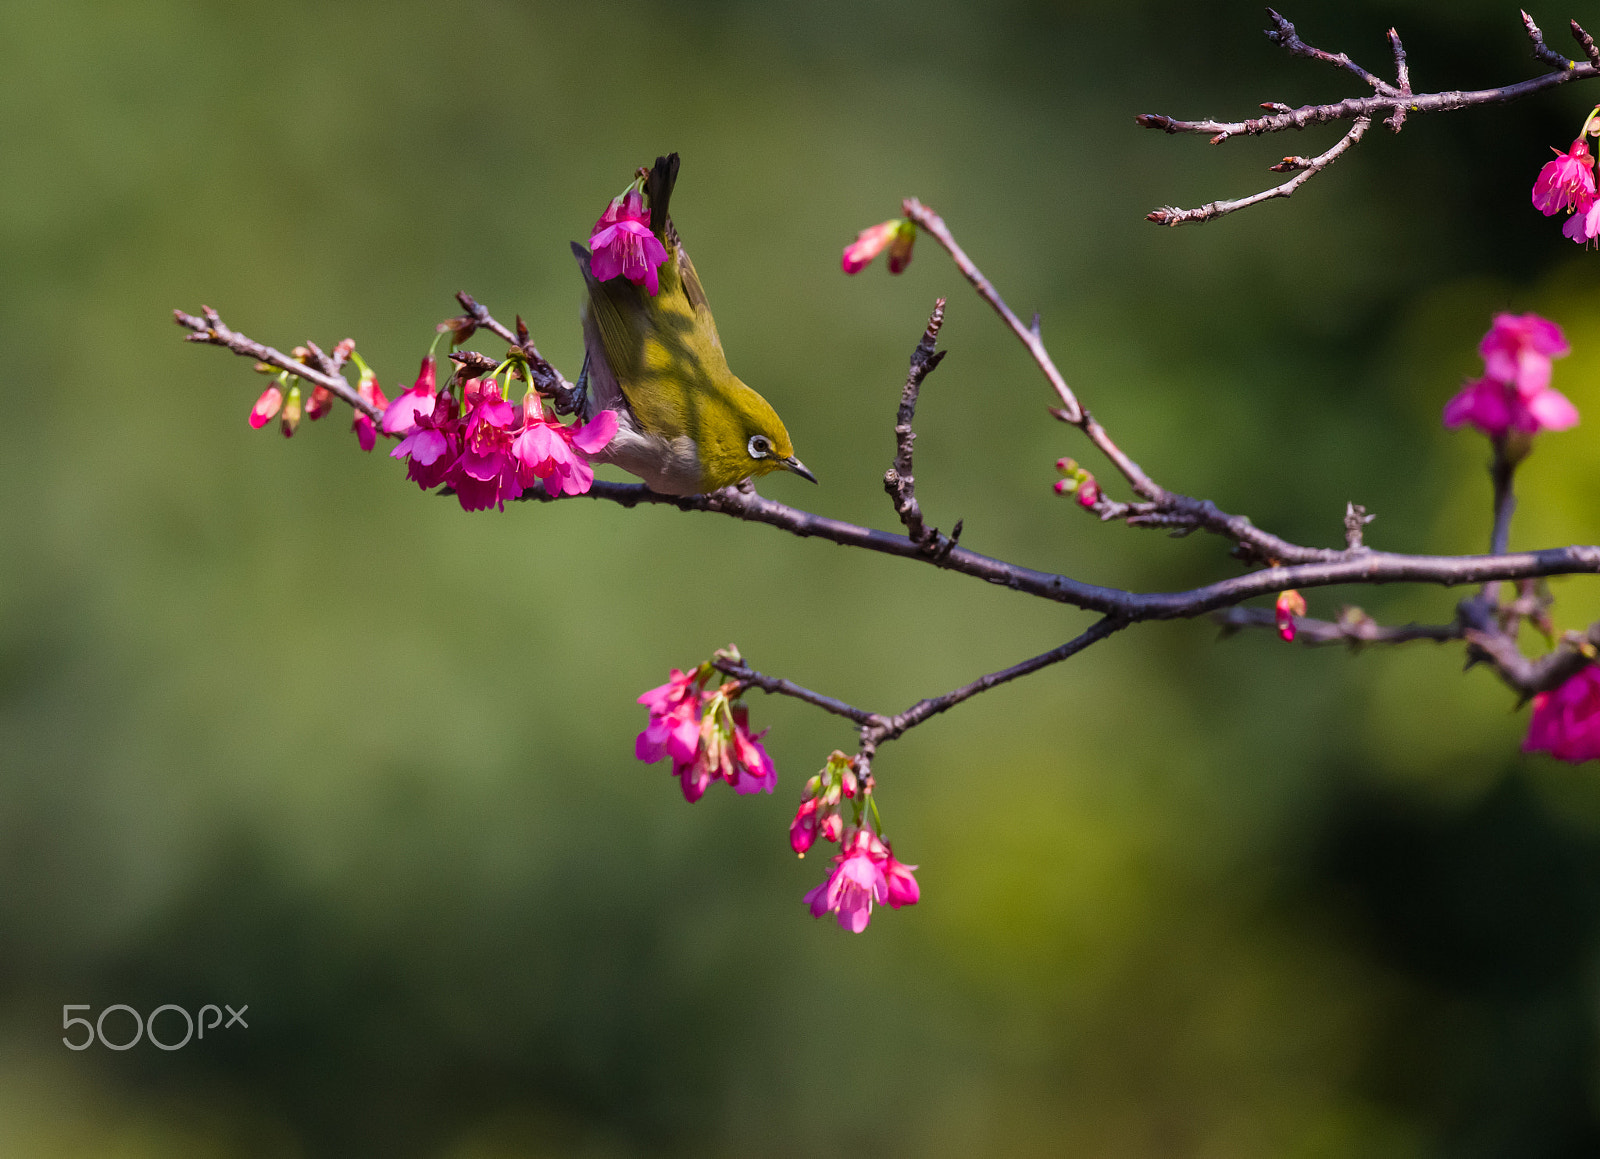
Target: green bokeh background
277,729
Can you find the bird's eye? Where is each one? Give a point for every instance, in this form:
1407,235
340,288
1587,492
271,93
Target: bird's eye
759,447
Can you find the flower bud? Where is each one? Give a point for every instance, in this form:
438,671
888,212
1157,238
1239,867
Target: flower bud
905,236
290,418
320,404
1290,604
266,406
1088,491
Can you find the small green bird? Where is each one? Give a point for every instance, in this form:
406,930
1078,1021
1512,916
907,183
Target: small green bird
685,423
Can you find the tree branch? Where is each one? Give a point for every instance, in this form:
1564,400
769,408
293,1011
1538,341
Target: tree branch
1393,102
898,480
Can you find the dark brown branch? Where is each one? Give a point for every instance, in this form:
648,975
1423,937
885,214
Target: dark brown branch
544,376
1366,567
780,687
931,222
877,728
1542,52
900,723
899,480
1586,42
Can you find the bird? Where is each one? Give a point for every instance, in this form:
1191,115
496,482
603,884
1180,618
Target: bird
686,424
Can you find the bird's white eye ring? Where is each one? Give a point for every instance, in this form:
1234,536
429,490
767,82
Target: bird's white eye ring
759,447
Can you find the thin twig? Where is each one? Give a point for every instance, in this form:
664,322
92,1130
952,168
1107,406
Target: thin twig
877,728
899,480
932,222
1284,34
779,686
1308,168
544,376
900,723
1542,52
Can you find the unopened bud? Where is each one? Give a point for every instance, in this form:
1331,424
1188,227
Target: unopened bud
905,237
1088,491
290,418
1290,604
320,403
266,406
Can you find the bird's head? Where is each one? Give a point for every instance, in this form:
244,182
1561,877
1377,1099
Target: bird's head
746,439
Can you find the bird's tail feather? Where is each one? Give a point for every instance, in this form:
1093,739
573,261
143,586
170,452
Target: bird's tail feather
658,187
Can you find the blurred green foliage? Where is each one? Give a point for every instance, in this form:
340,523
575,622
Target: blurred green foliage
276,729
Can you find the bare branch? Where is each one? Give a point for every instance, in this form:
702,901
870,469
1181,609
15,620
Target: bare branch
1309,168
877,728
1542,52
780,687
1392,102
934,224
1586,42
1284,34
898,480
900,723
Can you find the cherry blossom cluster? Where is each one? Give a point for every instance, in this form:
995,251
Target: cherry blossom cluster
1510,403
1514,399
697,720
487,449
865,871
1567,184
466,435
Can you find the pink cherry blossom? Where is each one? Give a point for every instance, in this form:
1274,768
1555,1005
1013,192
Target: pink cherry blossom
1566,722
401,414
754,768
1518,349
621,243
433,444
706,733
903,888
558,454
1567,182
674,720
1584,224
856,881
803,829
266,407
372,394
1514,393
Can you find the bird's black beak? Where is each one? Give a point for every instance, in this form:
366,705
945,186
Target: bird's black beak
799,468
